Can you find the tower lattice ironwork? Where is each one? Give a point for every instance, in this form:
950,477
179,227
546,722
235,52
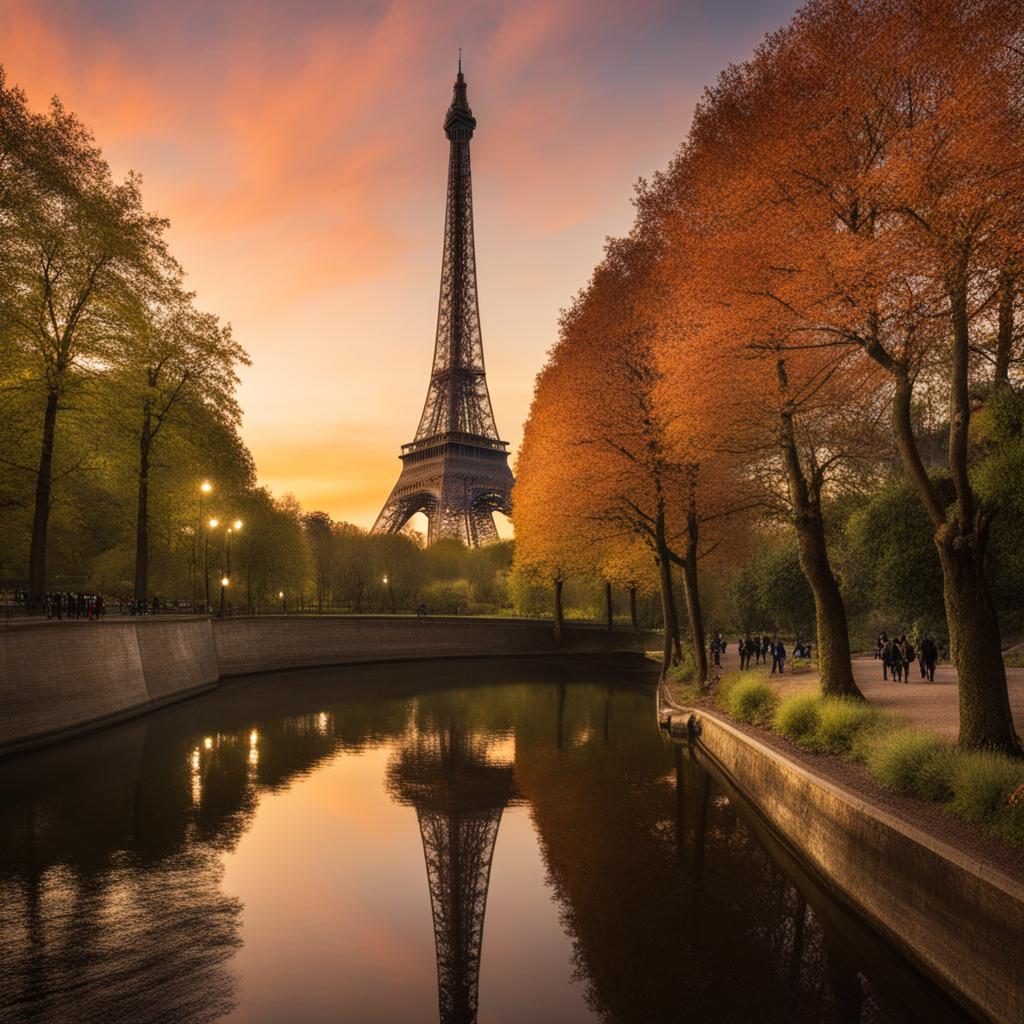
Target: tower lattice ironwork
459,794
456,468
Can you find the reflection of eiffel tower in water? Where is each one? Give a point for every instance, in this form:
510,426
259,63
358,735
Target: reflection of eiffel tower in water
459,795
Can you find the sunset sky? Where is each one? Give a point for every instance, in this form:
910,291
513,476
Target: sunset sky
297,150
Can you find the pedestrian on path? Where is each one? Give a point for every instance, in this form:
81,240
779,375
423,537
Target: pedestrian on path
929,656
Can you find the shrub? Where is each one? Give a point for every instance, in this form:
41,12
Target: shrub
912,761
798,716
982,784
1008,822
840,719
749,698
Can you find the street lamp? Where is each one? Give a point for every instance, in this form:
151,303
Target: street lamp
212,525
284,602
204,489
225,582
391,594
234,528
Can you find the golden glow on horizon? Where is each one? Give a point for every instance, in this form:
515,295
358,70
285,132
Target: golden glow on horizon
302,166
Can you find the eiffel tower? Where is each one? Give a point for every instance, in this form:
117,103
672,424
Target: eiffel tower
456,469
459,794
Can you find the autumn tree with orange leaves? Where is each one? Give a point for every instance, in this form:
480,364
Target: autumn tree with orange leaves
870,176
613,477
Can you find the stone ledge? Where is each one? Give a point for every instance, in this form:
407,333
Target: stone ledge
960,919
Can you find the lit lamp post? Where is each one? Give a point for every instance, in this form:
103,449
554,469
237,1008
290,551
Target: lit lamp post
204,489
391,594
231,531
211,525
284,602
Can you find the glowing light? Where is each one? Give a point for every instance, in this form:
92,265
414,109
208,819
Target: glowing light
208,743
238,524
385,581
213,524
321,721
206,487
225,582
254,752
280,593
197,778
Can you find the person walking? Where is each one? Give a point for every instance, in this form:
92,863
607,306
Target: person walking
716,652
920,656
909,656
886,656
779,656
896,661
929,656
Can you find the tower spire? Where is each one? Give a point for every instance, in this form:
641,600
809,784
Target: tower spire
456,468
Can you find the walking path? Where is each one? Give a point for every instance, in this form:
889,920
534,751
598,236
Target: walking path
929,705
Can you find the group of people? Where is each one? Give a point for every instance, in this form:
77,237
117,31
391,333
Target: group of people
63,604
67,604
898,654
759,648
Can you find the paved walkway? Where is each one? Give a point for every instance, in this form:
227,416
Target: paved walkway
929,705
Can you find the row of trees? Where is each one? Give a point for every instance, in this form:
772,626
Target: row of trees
822,290
107,368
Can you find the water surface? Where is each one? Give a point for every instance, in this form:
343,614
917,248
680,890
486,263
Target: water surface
511,839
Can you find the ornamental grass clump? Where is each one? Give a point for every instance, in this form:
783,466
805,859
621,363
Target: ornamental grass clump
798,716
913,761
984,787
840,719
749,698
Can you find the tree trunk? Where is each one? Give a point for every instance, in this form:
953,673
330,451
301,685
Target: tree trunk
695,614
671,651
609,611
559,621
1004,333
41,512
986,720
142,514
975,643
634,618
834,667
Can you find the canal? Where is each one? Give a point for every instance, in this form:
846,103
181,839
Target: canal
512,839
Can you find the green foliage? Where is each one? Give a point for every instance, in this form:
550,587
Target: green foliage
984,788
840,721
748,697
888,560
448,597
982,783
771,593
798,716
913,761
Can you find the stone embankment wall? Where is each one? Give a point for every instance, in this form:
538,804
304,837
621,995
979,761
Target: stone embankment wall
958,918
61,678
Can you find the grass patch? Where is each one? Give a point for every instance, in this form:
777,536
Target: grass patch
986,789
748,697
798,715
913,761
841,719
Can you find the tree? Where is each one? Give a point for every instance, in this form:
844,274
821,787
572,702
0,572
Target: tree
73,258
176,361
881,153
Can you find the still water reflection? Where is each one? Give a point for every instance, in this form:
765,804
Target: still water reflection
323,845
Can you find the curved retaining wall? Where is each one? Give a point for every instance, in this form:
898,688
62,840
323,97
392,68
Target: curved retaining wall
960,919
61,678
